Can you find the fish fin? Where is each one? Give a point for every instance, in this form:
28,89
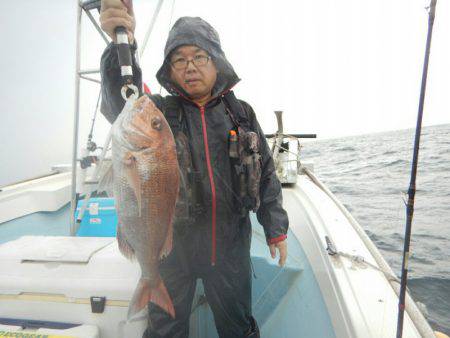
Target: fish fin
133,178
105,182
124,247
144,294
167,247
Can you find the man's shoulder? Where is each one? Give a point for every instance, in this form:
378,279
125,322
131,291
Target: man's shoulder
245,104
248,110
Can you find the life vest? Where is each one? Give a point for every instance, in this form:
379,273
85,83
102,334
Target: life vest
246,161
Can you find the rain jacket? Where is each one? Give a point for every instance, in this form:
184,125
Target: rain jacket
207,128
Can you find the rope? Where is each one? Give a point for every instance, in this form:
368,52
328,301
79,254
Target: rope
362,261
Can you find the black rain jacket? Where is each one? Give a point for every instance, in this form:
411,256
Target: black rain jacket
207,130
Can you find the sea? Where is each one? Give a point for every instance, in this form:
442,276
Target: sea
370,174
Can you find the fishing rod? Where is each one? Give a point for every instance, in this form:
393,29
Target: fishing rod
412,185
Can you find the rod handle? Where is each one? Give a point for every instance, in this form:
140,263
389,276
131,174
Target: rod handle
124,53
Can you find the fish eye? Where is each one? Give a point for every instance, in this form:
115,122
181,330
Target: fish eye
156,123
129,159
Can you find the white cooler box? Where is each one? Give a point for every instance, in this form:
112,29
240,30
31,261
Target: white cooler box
68,280
85,331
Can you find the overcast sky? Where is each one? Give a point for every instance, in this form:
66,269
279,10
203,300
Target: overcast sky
336,68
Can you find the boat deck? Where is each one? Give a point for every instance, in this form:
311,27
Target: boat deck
314,295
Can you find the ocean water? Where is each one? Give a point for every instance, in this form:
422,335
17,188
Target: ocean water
370,174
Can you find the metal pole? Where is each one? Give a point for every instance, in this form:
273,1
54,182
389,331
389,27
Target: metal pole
90,79
75,124
89,71
412,185
293,135
97,27
150,28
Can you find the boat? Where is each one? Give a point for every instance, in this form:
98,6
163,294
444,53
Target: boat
335,282
64,276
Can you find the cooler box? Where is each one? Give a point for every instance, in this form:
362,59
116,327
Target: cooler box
79,331
99,218
77,280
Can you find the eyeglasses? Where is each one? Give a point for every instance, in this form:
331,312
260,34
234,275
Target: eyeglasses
198,61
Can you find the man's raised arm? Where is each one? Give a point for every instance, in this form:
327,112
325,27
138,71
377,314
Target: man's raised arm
116,13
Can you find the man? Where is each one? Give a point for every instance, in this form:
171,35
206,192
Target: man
213,243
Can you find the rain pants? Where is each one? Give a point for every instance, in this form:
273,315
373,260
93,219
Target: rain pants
216,246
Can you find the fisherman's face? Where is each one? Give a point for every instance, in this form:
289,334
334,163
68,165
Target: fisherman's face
198,77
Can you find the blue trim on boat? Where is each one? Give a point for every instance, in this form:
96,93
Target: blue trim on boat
56,223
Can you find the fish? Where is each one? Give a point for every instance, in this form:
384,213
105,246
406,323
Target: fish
145,183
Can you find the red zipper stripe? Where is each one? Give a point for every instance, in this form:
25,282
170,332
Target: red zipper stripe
210,171
213,187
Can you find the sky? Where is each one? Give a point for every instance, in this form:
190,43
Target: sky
335,67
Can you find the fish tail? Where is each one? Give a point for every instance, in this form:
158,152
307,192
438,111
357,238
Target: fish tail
160,297
144,293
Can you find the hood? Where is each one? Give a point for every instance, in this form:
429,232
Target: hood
196,31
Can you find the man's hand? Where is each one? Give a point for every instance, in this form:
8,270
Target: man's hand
115,13
282,248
